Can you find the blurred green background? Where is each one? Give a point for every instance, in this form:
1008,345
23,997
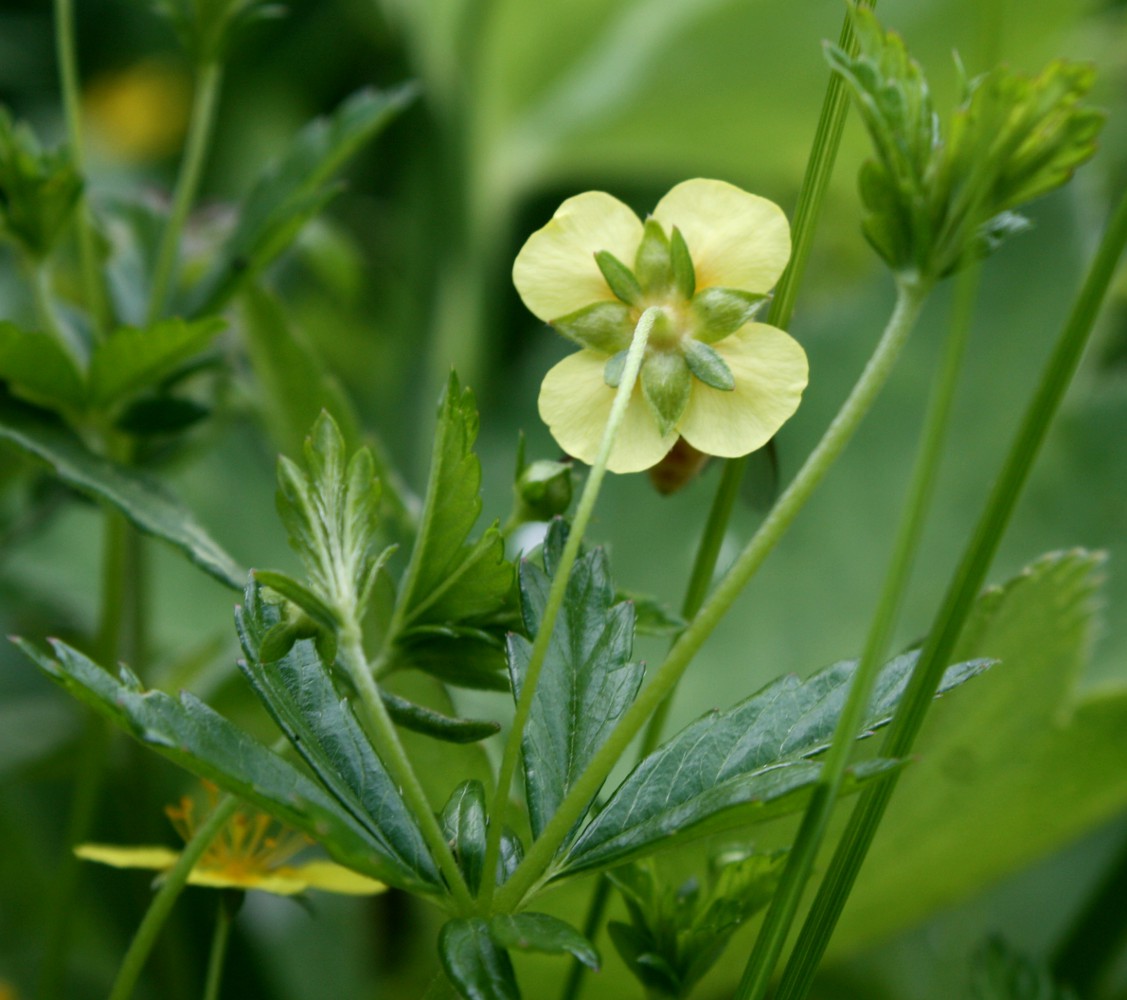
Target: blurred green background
408,273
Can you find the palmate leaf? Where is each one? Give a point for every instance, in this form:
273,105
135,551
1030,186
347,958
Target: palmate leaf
451,581
298,692
587,680
295,189
190,734
744,765
144,501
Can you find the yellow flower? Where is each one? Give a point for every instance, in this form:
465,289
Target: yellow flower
250,852
707,258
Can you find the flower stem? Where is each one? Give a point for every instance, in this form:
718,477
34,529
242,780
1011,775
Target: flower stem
204,106
96,299
171,886
909,302
583,512
815,821
957,603
381,730
224,916
812,194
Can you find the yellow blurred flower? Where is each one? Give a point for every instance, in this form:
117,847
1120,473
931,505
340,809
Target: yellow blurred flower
250,852
140,113
707,258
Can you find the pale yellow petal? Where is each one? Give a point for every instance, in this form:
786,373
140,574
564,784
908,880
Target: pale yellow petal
156,858
736,239
336,878
555,271
770,371
281,881
575,403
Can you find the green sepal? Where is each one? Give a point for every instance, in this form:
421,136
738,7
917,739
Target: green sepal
666,384
652,264
427,721
543,933
603,326
684,274
619,278
464,829
707,365
474,963
721,311
615,366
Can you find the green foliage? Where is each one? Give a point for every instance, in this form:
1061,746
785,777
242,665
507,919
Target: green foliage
207,28
937,198
478,967
463,826
298,691
1000,770
427,721
330,511
744,765
39,189
142,500
193,736
541,932
454,587
1001,973
38,369
293,190
587,680
676,933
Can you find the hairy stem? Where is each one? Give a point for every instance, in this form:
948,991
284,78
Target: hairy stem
583,511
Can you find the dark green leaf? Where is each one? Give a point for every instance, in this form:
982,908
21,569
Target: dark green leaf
38,369
298,692
587,680
543,933
141,499
999,972
156,415
474,963
129,360
193,736
301,595
448,579
464,828
427,721
294,190
743,765
462,657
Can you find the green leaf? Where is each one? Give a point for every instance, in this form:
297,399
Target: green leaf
587,680
190,734
651,617
473,961
450,580
1005,778
295,189
144,501
464,657
999,972
678,931
129,360
300,595
299,694
427,721
744,765
330,512
464,828
542,933
37,369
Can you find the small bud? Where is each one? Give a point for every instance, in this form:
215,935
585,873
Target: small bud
544,490
679,467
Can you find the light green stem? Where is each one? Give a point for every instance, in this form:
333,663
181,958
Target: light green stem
536,863
381,730
223,920
96,299
204,105
174,881
800,862
583,511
